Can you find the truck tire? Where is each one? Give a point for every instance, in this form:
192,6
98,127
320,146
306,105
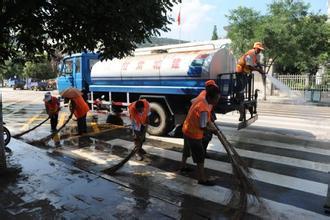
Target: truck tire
158,124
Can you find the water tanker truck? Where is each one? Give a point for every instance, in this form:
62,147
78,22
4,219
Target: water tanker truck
167,76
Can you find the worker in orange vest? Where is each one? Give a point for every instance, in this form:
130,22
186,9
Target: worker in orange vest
207,134
197,121
52,106
139,113
249,62
80,109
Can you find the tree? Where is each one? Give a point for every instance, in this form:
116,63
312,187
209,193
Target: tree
11,69
295,39
113,28
242,29
215,33
39,70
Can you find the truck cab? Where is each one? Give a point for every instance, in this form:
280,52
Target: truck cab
75,71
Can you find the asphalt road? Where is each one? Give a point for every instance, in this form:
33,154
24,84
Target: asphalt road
287,150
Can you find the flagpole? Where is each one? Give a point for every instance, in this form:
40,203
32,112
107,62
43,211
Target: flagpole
179,23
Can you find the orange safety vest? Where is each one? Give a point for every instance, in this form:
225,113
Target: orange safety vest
202,95
81,107
241,66
191,126
140,119
52,106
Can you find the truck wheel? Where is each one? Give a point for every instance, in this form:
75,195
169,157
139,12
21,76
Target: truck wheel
158,120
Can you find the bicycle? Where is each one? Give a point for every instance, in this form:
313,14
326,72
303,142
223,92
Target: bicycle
6,138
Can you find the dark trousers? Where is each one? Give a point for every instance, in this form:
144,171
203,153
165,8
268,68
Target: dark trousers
53,121
82,126
206,139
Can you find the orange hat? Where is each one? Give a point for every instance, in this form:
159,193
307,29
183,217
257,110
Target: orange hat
210,83
258,45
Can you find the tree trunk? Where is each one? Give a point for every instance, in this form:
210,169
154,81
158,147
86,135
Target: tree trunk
3,164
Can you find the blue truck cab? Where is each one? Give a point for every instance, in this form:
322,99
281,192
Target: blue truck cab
75,71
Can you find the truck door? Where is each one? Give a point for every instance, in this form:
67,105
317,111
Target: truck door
77,74
65,79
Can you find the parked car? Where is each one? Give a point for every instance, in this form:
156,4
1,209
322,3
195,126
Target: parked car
37,85
16,83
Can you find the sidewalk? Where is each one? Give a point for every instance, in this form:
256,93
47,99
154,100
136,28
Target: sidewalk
50,189
291,101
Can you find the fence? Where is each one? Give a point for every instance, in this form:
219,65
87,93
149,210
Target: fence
306,82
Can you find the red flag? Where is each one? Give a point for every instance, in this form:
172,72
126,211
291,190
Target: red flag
179,17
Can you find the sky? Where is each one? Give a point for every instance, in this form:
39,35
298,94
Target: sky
198,17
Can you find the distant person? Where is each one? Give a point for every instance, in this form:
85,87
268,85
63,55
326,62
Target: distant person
52,105
249,62
80,109
197,121
139,112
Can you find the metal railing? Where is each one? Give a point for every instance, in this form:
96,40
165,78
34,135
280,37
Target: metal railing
306,82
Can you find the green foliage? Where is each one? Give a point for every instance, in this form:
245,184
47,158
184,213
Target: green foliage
11,69
41,70
113,28
242,29
215,33
296,39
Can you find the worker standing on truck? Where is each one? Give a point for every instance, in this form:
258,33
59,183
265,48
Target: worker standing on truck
139,113
52,105
197,121
80,109
249,62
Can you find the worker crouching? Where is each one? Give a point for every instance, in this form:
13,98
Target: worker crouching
52,105
199,120
139,112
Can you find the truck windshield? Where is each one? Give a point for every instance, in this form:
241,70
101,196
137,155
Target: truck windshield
67,66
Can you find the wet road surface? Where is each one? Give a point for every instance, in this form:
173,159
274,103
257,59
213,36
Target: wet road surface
287,150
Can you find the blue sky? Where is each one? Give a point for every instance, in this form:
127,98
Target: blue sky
199,16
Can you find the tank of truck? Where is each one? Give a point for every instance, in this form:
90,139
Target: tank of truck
166,64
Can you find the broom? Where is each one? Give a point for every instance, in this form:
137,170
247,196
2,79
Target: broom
232,150
47,138
31,129
241,176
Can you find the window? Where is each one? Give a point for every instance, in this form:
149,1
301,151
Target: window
67,66
78,63
92,63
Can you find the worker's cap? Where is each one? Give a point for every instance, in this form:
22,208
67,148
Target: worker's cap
48,97
258,45
210,83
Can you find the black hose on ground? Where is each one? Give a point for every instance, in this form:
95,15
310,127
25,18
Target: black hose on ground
31,129
47,138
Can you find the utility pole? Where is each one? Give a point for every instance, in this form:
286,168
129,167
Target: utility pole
3,164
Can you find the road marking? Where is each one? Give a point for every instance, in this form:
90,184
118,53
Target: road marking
260,175
260,156
27,124
185,185
62,119
281,145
